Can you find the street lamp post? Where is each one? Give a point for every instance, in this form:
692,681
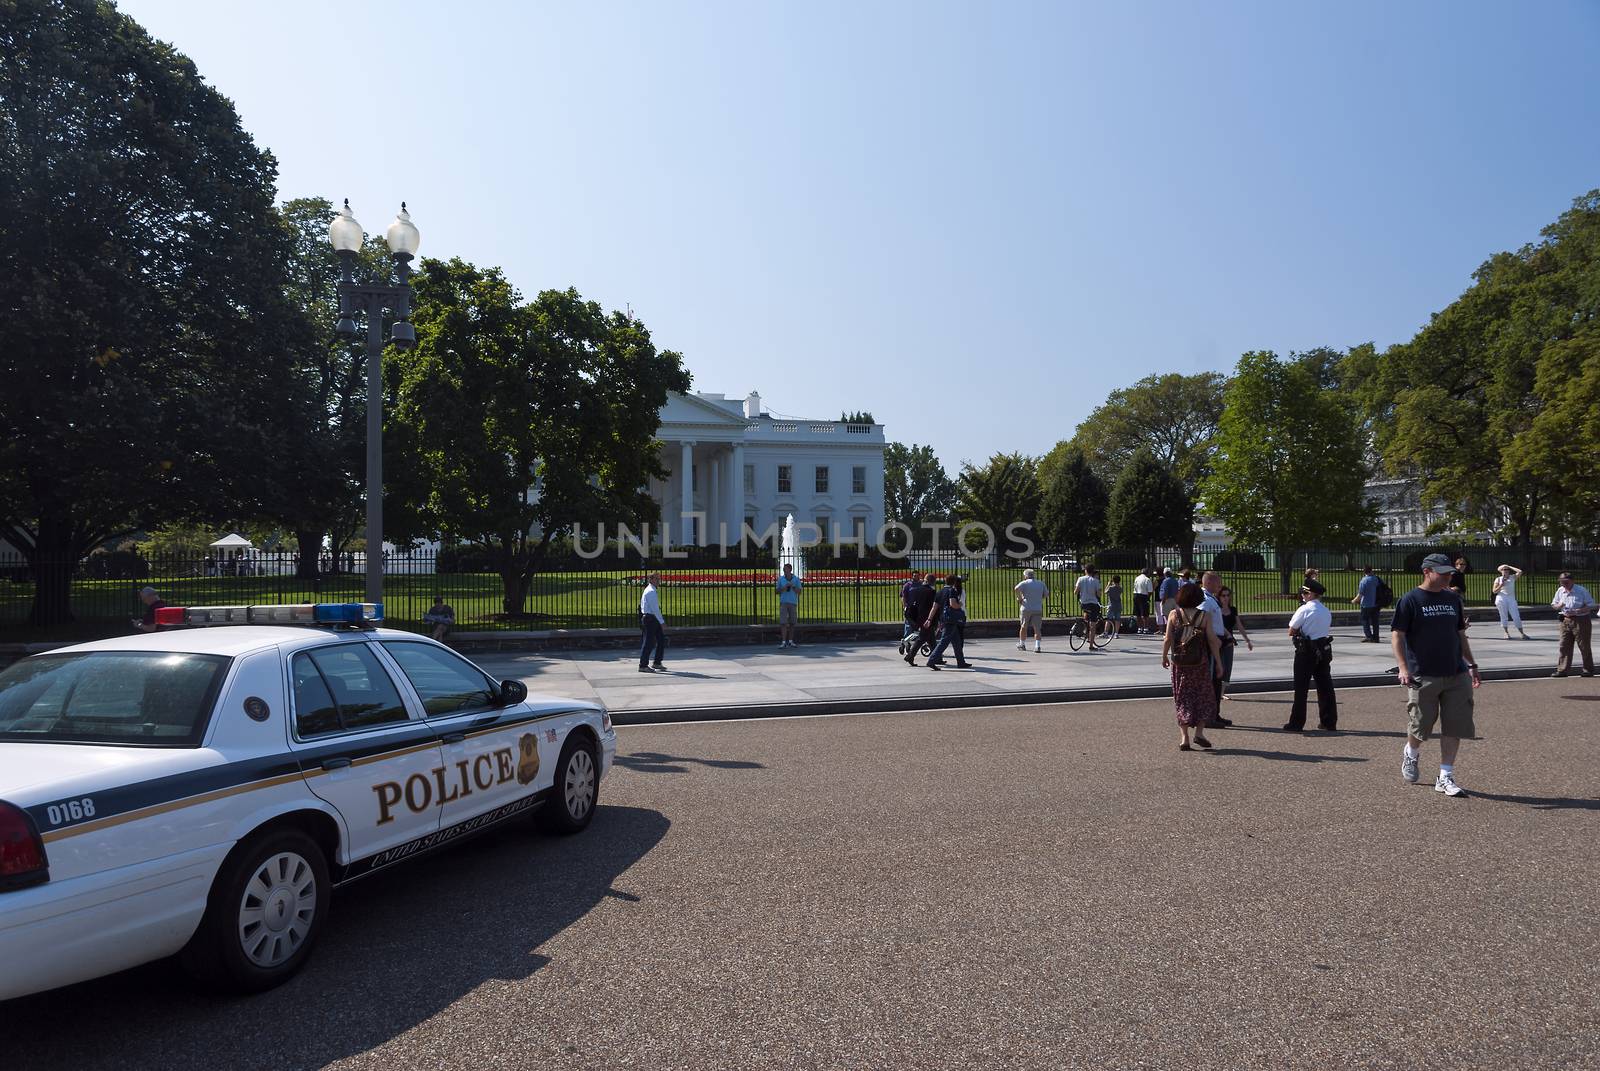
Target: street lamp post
371,299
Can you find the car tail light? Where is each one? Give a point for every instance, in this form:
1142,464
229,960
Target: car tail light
22,858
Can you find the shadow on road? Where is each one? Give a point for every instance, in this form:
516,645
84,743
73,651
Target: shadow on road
656,762
1278,731
1541,803
401,947
1285,756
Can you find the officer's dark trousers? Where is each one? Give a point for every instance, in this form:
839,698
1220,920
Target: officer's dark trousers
1313,661
654,639
951,634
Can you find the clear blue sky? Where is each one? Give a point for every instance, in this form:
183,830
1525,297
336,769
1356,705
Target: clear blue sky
972,220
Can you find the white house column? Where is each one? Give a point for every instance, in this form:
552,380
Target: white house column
686,495
736,494
713,498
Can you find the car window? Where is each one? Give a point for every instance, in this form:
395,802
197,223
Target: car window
445,682
348,681
147,698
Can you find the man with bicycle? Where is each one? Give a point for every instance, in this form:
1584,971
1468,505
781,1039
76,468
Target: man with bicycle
1088,592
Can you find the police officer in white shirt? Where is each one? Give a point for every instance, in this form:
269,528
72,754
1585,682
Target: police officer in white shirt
652,626
1311,629
1576,608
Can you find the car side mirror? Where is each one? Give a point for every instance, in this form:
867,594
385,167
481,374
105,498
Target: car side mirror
512,692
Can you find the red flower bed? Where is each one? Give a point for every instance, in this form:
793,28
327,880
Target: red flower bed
740,577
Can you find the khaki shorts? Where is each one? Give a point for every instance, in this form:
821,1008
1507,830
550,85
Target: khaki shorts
1032,619
788,613
1447,700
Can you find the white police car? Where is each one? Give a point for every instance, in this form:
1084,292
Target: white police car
200,791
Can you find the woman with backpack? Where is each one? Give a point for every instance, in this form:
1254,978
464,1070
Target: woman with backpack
1193,653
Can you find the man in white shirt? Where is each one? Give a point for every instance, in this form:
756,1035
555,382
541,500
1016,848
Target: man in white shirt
1030,594
652,624
1575,606
1311,629
1211,583
1088,591
1143,588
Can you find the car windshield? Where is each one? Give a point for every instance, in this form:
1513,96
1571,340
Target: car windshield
140,698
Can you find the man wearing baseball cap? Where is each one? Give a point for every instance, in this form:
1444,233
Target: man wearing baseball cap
1429,634
1575,606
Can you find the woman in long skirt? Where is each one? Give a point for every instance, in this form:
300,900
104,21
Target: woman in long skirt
1192,694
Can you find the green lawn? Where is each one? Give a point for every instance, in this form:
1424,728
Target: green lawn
610,598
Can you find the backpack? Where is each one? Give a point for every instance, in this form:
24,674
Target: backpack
1191,648
1384,596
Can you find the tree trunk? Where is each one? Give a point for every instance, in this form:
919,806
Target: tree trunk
308,562
1285,567
53,559
516,582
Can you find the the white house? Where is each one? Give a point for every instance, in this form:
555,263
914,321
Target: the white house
731,465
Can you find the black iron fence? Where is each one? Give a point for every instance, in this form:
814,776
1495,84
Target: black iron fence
703,587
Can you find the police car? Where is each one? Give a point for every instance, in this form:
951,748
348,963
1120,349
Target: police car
200,791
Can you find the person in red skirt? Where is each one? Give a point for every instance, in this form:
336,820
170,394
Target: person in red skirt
1193,653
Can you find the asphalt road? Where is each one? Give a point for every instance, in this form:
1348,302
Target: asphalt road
1042,887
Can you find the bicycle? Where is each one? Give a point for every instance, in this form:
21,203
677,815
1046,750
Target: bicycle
1078,633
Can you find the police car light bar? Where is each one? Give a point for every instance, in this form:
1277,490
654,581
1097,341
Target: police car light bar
328,613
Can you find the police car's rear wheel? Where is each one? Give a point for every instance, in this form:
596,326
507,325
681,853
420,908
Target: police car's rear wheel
265,911
576,790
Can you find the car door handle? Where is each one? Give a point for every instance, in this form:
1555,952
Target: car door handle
335,764
453,738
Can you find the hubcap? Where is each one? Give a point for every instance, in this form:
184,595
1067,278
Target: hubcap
277,909
579,784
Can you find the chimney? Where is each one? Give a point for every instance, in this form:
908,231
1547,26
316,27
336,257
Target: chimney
752,406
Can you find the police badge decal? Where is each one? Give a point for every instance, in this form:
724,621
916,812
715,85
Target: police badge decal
528,762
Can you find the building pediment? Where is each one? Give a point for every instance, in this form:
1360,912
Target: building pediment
687,409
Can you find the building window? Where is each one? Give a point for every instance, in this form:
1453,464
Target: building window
822,479
785,478
750,522
824,527
749,479
858,529
694,477
858,480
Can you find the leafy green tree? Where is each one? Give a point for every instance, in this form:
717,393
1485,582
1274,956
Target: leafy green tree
1173,416
1289,466
1149,507
1457,405
1072,512
916,489
144,326
524,419
1003,492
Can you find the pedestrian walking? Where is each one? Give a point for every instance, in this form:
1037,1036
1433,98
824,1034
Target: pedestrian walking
952,625
1189,649
1505,600
1367,598
652,626
1114,606
923,609
1168,594
1575,606
1311,630
1030,594
1210,586
1087,590
911,625
442,616
1458,579
152,602
1231,623
1143,588
788,587
1429,636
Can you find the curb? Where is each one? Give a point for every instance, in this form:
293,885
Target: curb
974,700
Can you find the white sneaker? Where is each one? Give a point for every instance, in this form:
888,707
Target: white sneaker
1447,785
1021,646
1408,768
1037,649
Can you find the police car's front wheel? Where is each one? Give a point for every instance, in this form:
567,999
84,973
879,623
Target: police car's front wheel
266,908
577,788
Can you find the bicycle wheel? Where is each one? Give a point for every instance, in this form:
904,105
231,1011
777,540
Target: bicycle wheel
1103,637
1076,635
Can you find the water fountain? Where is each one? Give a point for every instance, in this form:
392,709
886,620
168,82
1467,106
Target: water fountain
791,555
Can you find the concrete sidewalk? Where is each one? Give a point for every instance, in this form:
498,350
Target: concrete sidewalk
743,681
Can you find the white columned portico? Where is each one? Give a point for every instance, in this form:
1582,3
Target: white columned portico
686,494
